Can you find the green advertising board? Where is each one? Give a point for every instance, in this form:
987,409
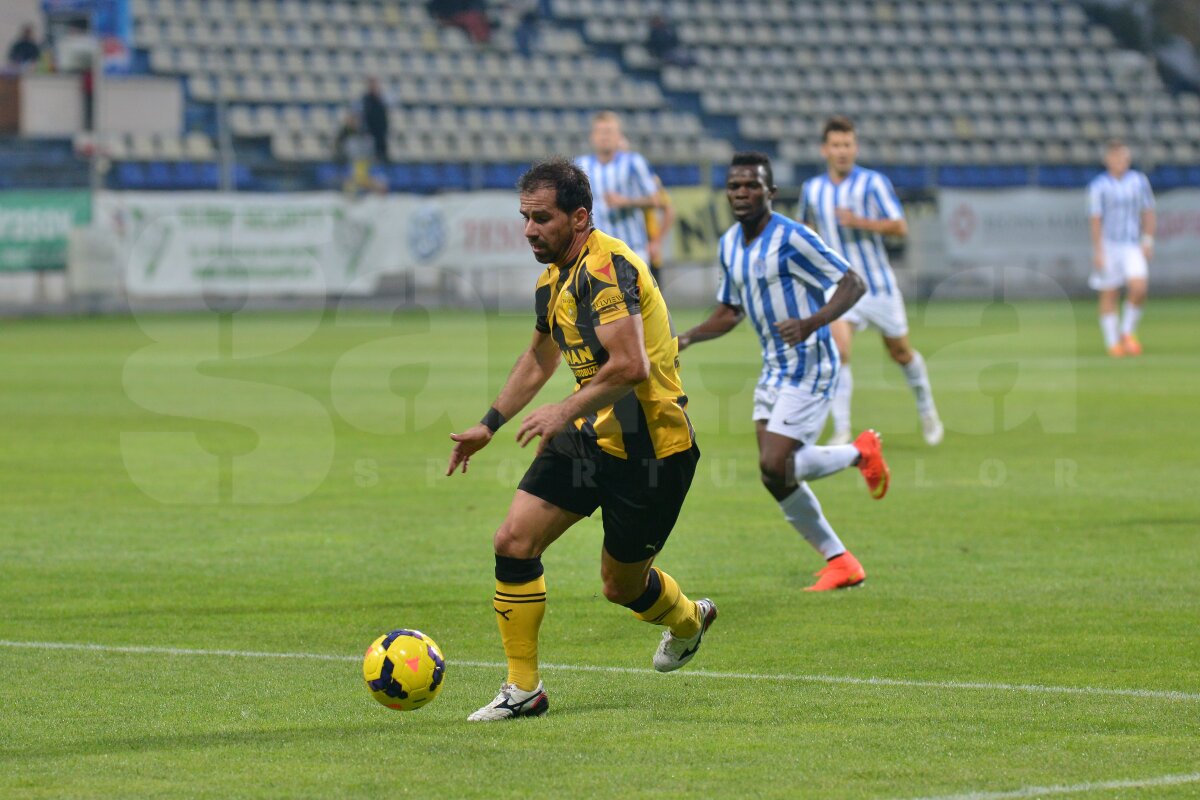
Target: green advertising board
34,227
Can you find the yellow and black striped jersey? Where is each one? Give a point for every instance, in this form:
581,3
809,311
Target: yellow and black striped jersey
608,282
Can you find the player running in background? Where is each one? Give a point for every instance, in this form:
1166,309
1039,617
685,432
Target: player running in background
623,186
621,442
853,209
1121,207
778,273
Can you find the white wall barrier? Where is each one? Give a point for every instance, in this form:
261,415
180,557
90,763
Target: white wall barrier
1046,232
194,244
187,244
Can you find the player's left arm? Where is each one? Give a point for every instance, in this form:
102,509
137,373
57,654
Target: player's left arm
816,264
627,366
849,289
1149,219
882,200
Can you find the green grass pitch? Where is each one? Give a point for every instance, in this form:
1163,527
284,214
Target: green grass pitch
272,483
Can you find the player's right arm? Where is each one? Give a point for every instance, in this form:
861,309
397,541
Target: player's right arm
721,321
531,372
724,317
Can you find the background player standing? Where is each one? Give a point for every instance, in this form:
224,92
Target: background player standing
622,442
778,273
853,209
1121,207
623,185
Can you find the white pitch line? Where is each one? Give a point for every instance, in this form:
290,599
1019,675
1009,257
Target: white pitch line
1100,786
1032,688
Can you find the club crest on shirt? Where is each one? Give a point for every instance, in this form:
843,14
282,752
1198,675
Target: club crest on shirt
759,267
569,309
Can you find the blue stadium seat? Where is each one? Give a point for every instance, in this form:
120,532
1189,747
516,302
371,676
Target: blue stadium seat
679,174
329,176
197,175
455,177
243,178
501,176
158,175
186,176
906,177
130,175
428,178
403,178
1175,177
1063,176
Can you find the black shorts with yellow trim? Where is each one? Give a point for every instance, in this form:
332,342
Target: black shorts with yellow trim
640,498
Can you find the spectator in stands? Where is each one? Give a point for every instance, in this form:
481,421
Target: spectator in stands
663,43
25,51
470,15
525,34
375,118
353,149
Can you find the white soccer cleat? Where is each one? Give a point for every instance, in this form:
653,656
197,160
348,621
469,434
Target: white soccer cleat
840,438
932,429
674,652
512,703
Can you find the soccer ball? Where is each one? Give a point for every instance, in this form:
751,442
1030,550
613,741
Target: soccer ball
404,670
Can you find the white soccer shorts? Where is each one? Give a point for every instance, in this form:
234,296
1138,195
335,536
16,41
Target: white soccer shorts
791,411
1123,261
884,312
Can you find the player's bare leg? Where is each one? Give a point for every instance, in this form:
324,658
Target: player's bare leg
532,525
843,338
913,365
1135,300
1109,323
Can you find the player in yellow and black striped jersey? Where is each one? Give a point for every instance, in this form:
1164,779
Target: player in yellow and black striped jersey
621,442
607,282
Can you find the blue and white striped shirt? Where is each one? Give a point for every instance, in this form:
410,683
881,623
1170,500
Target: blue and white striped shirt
628,175
784,273
868,194
1119,203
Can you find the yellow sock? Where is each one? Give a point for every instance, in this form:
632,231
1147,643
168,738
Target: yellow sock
672,609
519,611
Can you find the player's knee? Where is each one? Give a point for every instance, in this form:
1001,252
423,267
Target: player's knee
773,472
507,543
619,592
900,353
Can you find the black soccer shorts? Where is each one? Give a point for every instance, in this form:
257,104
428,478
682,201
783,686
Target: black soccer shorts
639,498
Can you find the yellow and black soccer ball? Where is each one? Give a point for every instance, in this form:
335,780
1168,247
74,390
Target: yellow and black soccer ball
404,670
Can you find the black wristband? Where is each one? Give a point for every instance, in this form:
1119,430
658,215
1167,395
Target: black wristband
493,419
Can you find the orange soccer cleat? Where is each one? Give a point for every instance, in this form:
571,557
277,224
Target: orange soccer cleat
1130,345
871,463
841,572
1117,351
